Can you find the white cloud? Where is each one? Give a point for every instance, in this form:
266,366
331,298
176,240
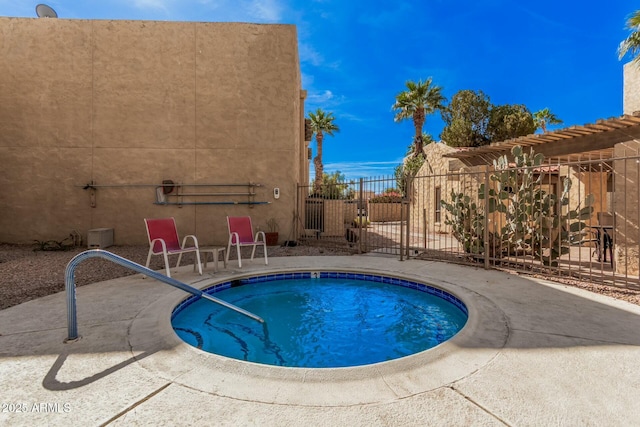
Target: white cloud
320,97
259,11
307,80
541,18
265,10
309,55
326,100
379,165
351,117
152,4
356,170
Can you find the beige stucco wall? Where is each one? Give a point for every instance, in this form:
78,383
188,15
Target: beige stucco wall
129,103
385,212
436,173
631,98
626,208
584,184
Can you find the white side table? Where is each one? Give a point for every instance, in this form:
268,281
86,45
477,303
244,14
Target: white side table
216,251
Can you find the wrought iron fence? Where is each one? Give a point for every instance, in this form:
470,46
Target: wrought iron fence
358,216
572,219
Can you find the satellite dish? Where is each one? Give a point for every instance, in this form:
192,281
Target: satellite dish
44,11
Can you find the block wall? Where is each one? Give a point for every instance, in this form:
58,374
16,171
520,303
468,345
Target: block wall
128,104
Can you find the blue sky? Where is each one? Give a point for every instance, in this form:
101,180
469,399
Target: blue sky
355,56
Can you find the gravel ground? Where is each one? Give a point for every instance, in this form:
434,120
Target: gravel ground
29,274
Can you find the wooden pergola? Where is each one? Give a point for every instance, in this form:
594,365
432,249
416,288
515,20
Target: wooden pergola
576,143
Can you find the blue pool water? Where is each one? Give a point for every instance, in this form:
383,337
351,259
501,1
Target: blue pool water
321,322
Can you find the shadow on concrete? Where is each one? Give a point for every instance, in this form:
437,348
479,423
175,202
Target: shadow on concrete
50,381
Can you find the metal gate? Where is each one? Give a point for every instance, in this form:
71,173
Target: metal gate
571,220
368,215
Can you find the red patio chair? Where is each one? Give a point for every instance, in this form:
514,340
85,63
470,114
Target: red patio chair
241,234
163,240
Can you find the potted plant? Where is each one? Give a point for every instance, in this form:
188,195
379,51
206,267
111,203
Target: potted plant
271,236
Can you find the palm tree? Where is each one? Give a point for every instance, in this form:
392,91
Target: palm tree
632,43
321,123
415,103
545,117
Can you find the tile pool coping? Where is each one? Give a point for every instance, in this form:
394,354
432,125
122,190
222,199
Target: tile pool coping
377,278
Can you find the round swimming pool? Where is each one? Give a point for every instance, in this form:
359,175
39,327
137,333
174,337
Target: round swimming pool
320,319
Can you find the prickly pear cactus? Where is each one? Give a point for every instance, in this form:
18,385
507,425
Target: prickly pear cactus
466,220
536,221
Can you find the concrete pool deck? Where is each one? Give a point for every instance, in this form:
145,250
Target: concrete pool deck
532,353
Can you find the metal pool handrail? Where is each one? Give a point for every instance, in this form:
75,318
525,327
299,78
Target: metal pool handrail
70,286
